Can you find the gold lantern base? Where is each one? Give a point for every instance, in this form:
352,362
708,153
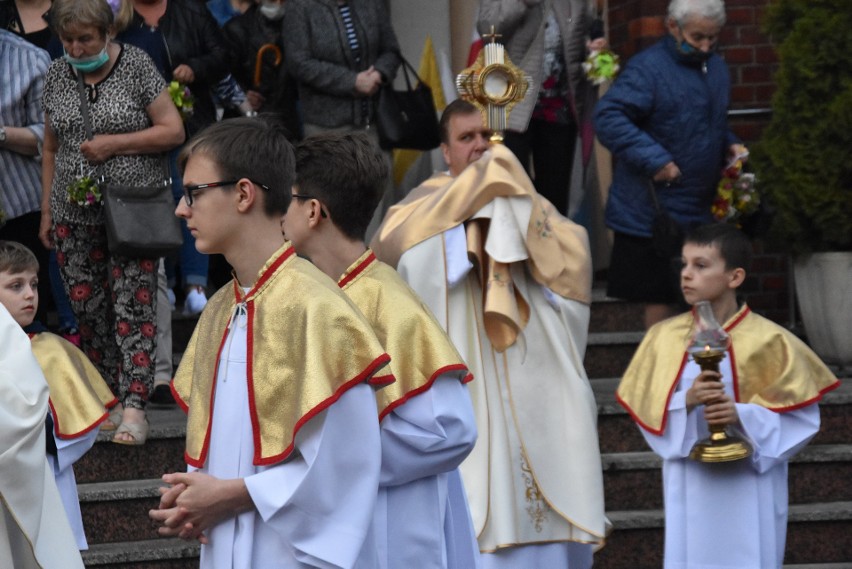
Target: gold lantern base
720,447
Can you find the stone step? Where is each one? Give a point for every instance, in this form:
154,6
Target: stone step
157,553
819,473
618,433
612,315
816,533
609,353
118,511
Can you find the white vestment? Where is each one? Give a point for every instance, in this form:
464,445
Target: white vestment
314,510
734,514
422,517
68,452
534,476
32,533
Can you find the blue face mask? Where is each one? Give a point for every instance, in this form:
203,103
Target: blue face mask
693,53
88,64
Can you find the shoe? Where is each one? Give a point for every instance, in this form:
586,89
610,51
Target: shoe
139,432
162,395
72,335
172,300
114,420
195,301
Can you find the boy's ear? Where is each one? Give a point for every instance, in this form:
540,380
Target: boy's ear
247,195
738,276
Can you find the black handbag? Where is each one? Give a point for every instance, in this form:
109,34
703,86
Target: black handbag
666,234
407,118
140,220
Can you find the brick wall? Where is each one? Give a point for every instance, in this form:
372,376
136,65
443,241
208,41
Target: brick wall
636,24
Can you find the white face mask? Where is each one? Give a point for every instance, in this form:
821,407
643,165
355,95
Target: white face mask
272,10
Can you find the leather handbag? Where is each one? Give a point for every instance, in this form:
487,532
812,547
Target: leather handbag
407,118
666,234
140,220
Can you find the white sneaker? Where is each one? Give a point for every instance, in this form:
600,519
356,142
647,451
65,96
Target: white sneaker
195,301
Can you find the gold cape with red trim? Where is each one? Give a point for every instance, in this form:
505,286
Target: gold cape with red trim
557,248
772,368
419,348
79,396
307,344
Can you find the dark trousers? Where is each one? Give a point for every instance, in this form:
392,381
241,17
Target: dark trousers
551,146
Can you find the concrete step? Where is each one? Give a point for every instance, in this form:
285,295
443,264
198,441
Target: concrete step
819,473
816,533
148,554
612,315
609,353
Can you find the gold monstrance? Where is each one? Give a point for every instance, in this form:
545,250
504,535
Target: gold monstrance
494,85
708,347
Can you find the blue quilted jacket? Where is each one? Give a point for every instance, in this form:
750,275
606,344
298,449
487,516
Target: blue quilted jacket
664,108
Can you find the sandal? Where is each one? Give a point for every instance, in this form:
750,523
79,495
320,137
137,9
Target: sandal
139,432
112,422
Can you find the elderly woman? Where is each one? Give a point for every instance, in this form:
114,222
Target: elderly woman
134,123
665,122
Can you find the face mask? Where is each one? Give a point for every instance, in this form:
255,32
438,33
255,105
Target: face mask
272,11
693,53
88,64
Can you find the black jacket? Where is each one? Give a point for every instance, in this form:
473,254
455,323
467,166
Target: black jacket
245,35
192,37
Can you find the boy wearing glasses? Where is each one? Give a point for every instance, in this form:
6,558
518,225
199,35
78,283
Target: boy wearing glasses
282,441
427,422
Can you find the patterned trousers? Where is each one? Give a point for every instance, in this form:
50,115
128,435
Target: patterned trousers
115,301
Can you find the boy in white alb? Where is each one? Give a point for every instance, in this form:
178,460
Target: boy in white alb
733,514
79,397
282,438
427,422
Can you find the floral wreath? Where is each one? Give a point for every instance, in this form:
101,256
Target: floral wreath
737,196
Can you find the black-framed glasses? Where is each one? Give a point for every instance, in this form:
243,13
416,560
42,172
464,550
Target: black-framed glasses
189,192
306,197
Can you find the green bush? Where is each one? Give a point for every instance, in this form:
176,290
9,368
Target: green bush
804,159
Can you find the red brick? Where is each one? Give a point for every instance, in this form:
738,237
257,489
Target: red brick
755,74
741,16
764,54
740,3
751,35
739,55
742,94
729,36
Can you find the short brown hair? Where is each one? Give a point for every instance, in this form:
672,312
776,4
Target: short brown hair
16,258
254,148
65,13
345,171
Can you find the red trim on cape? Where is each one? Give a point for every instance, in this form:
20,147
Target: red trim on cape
811,401
90,428
423,388
357,270
178,399
635,417
205,446
360,378
265,276
255,422
381,380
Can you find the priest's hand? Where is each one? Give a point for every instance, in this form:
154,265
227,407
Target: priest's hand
721,412
198,501
706,389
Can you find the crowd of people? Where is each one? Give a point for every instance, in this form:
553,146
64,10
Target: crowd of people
413,400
